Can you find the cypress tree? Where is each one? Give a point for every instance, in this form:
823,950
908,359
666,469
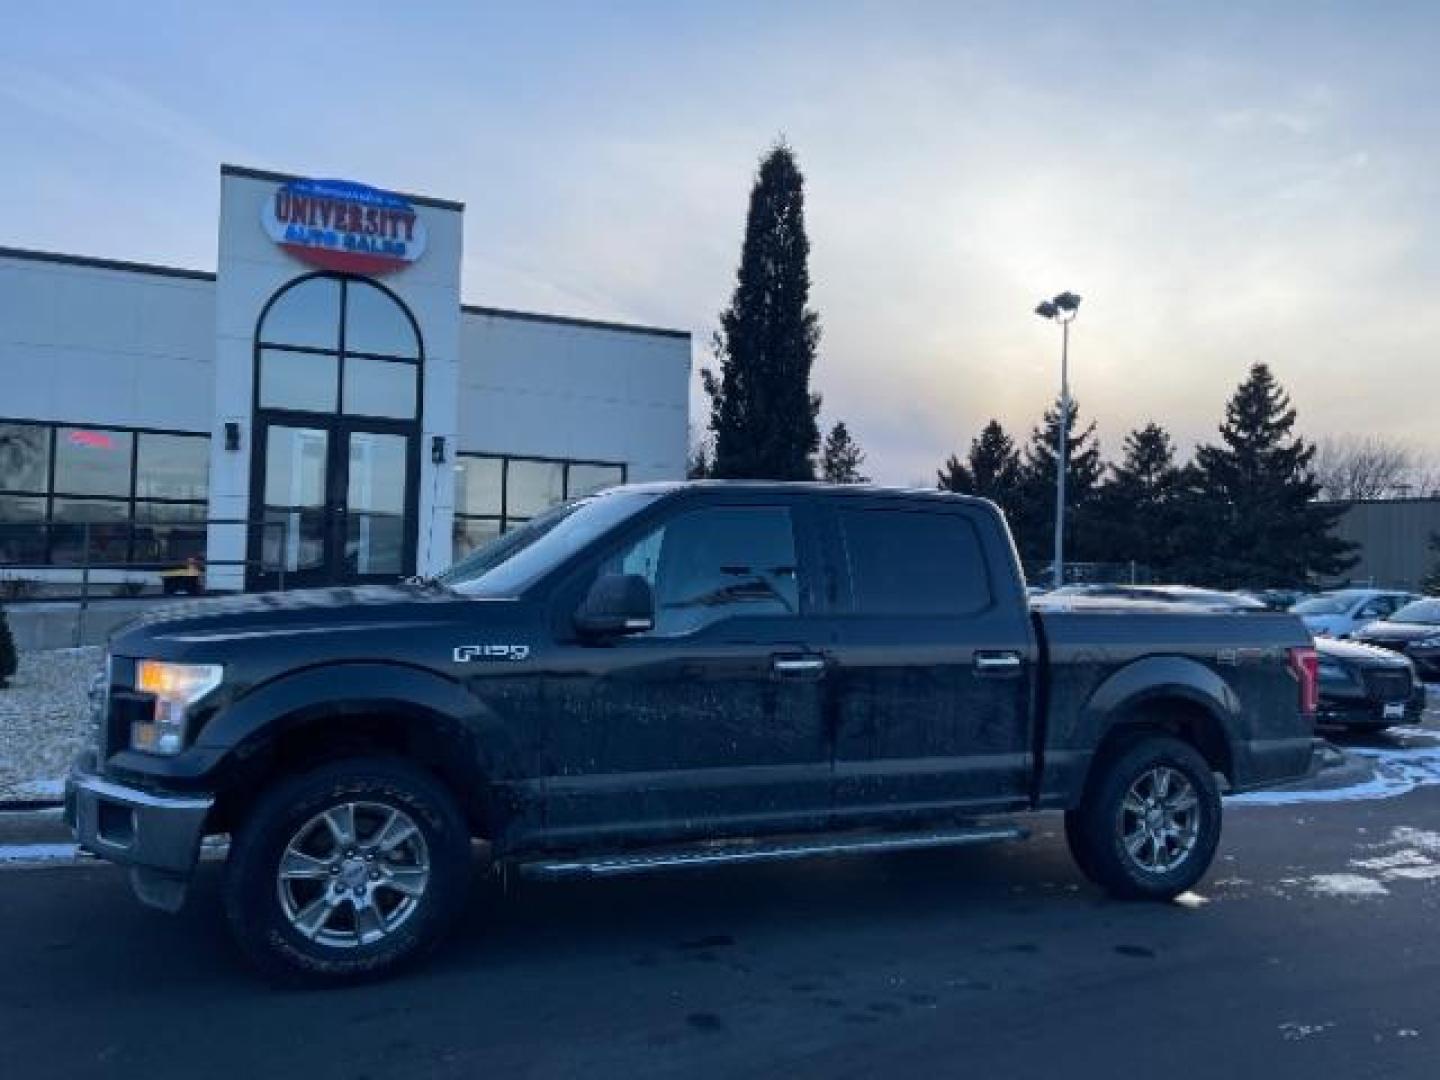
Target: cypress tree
762,412
1257,522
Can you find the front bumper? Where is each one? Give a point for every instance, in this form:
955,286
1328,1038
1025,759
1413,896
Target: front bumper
156,836
1337,711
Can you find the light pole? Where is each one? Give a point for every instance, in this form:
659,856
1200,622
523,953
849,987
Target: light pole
1063,309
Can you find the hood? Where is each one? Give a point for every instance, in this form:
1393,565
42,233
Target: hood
202,626
1354,653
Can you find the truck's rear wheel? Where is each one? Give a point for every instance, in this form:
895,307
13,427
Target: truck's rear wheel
347,871
1149,823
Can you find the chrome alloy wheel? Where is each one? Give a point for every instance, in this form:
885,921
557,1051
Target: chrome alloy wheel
353,874
1159,819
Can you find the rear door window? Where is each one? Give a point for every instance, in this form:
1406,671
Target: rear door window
905,562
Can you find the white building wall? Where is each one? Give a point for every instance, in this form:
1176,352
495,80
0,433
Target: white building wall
552,388
91,345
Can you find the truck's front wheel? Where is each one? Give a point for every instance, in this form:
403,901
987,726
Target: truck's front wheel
347,871
1149,823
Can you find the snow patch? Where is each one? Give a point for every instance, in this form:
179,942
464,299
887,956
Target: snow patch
1293,1031
1346,886
1396,772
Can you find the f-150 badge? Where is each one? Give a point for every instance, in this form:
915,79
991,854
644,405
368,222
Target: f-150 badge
464,654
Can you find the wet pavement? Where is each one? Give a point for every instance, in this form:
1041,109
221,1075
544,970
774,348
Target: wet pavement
1310,950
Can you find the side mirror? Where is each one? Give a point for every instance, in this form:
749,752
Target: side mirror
616,604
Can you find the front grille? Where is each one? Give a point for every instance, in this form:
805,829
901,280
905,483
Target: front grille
1388,685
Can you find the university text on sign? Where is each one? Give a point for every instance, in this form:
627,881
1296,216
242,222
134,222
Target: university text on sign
344,226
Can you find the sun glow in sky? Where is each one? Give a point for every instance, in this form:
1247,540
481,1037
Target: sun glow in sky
1222,183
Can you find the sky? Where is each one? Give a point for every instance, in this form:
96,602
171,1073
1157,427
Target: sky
1222,184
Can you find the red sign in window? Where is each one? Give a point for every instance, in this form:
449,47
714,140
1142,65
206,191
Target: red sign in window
94,440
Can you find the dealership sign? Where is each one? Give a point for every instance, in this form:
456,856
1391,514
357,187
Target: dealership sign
342,226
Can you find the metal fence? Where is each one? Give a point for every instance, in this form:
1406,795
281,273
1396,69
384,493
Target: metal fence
87,562
1091,573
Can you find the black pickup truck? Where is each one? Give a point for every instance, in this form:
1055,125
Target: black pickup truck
668,676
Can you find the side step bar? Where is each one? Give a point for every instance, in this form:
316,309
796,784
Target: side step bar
758,851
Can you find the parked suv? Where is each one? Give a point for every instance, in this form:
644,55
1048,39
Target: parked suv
669,676
1340,613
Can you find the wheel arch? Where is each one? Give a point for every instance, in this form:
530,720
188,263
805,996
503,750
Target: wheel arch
299,721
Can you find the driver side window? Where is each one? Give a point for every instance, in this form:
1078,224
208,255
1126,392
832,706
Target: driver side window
715,563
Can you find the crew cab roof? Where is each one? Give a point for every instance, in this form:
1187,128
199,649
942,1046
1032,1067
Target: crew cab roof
813,487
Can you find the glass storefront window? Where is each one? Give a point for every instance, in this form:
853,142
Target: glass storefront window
169,533
478,485
532,487
24,457
22,529
379,388
587,479
305,314
295,380
172,467
93,461
295,466
470,533
375,323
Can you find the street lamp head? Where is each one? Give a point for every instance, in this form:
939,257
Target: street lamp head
1067,301
1046,309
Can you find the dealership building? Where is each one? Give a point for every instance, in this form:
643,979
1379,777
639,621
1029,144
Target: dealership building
322,408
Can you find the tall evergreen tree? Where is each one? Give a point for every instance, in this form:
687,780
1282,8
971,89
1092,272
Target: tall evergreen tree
1137,507
1034,517
1257,522
991,468
841,457
762,412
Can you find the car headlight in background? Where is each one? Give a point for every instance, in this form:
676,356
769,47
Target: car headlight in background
176,687
1430,642
1331,672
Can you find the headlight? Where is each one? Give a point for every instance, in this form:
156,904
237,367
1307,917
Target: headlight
176,687
1329,671
1430,642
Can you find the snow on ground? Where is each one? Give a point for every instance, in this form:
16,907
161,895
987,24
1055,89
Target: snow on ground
1393,772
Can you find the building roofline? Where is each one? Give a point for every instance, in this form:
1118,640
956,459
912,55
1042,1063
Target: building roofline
105,264
282,178
571,320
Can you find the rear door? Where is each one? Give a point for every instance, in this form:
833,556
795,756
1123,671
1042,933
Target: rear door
932,661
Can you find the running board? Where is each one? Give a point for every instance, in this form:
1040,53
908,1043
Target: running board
721,853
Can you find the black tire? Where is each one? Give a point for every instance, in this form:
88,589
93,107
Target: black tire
370,787
1097,830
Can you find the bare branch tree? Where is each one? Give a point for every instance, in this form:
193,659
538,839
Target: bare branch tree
1350,468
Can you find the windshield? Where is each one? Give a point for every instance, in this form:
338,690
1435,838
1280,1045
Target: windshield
1420,611
510,562
1327,604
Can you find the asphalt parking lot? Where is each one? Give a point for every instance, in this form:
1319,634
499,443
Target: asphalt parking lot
1309,950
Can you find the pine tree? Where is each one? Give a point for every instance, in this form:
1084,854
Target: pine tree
761,409
1034,516
1137,506
9,659
1255,519
991,468
841,457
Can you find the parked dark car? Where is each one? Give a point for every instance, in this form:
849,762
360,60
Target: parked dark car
1366,688
669,676
1413,630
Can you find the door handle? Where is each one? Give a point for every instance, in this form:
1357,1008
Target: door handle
798,667
997,664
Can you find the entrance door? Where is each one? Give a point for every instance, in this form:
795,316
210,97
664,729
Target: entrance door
338,503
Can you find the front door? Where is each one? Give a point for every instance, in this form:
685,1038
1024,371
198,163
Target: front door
337,503
714,722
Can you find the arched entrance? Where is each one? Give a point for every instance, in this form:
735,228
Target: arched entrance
335,445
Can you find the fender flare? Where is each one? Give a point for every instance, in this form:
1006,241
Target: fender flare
332,692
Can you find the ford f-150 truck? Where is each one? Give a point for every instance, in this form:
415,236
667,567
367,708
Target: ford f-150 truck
668,676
